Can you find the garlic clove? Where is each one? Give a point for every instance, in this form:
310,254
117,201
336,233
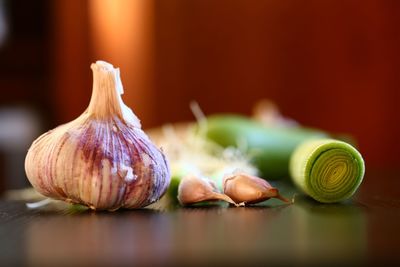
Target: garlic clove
248,189
193,189
102,159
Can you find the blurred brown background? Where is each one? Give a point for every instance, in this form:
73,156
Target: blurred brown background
328,64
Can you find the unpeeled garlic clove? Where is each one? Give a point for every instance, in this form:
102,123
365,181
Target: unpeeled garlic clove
193,189
102,159
248,189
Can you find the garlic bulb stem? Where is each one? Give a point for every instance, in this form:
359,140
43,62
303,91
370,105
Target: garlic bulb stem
106,101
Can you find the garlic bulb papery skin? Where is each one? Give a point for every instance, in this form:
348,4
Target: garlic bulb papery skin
102,159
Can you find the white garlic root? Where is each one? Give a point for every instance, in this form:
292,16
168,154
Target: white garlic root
193,189
102,159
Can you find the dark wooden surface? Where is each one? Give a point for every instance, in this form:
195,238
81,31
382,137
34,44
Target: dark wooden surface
362,231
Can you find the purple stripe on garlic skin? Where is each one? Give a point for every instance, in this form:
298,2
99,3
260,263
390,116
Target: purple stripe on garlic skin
102,159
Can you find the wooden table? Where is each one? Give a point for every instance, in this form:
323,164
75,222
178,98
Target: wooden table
363,231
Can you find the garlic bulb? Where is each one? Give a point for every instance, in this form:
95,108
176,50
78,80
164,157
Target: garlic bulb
102,159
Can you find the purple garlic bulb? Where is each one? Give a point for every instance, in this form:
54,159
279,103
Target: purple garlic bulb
102,159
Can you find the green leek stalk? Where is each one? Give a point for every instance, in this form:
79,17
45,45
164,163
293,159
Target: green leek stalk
328,170
270,147
172,191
